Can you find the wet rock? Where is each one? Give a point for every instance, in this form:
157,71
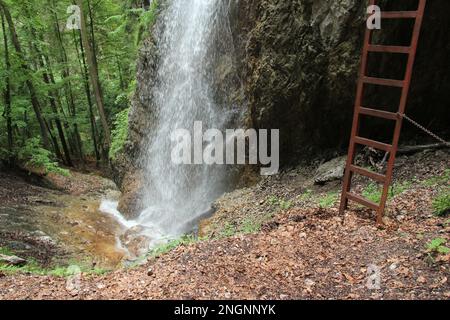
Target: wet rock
130,205
136,243
330,171
12,260
40,200
43,238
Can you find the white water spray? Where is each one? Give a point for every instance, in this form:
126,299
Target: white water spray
194,39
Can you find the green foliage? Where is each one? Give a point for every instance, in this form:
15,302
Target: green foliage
36,269
437,246
250,225
438,180
228,230
306,196
399,188
146,19
272,200
329,200
281,203
33,267
33,155
373,191
6,251
118,30
441,205
119,133
170,245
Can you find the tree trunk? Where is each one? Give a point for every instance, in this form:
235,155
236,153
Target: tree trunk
84,71
68,87
50,129
7,97
44,64
93,72
53,104
29,82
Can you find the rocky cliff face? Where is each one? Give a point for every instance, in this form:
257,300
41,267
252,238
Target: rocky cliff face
301,60
298,62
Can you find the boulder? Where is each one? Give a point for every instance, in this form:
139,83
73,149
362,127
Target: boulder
130,204
12,260
330,171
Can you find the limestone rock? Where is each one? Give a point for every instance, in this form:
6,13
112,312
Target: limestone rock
130,204
331,170
12,260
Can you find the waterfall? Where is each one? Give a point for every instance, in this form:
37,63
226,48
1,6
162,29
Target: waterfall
194,43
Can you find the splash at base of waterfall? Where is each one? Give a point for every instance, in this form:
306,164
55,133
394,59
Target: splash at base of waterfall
141,235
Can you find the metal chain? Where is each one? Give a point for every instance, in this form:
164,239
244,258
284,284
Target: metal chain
425,130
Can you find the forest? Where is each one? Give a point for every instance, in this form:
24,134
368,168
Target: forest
66,91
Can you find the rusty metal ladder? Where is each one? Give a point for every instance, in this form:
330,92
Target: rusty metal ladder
355,140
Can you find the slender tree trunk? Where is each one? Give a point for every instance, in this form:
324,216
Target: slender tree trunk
44,63
54,140
29,82
92,33
93,71
7,96
52,96
68,87
84,71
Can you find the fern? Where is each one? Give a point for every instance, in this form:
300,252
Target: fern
119,133
33,155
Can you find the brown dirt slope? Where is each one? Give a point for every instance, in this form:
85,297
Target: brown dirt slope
301,253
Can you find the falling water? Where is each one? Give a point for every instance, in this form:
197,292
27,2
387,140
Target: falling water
194,41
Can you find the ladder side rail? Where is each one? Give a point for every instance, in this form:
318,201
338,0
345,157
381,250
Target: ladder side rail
402,107
356,117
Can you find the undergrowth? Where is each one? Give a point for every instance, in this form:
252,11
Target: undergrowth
33,267
34,155
441,204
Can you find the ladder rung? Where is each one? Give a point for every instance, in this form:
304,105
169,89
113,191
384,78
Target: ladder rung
378,113
361,200
389,49
373,175
373,144
384,82
398,14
